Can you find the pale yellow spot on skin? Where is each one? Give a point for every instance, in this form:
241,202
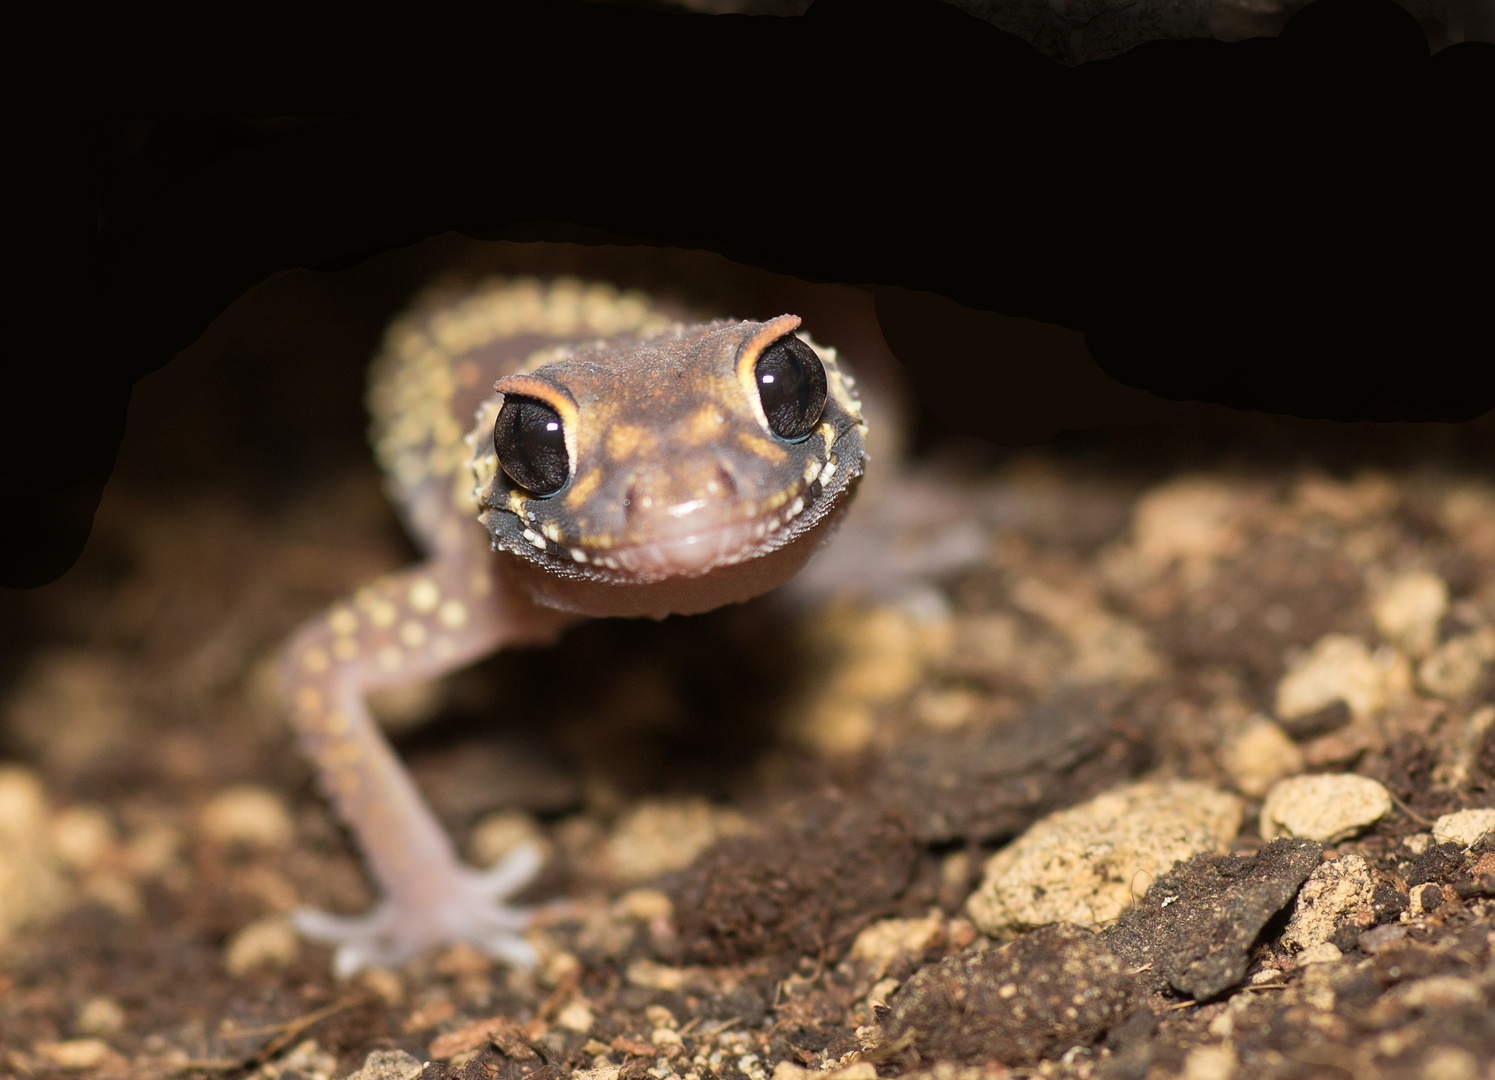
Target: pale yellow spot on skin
346,752
627,440
453,615
336,723
308,699
343,621
443,648
344,648
410,470
704,426
424,595
480,584
383,614
582,488
763,448
413,634
316,661
389,658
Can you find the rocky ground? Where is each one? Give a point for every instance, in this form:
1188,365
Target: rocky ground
1191,773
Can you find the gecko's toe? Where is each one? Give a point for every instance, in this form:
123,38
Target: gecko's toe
510,947
471,908
511,873
333,929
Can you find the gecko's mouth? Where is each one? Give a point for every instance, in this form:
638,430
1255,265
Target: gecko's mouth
691,549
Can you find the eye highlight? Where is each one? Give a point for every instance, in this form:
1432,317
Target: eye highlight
530,440
791,387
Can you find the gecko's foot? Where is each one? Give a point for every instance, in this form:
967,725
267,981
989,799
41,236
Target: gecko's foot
470,909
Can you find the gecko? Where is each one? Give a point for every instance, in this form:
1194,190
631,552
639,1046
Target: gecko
559,450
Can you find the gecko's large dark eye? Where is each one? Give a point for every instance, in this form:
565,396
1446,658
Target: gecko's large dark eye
531,445
791,385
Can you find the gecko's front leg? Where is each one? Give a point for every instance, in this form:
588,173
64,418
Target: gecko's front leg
416,624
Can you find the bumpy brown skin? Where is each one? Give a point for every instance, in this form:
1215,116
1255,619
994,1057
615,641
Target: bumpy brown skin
679,499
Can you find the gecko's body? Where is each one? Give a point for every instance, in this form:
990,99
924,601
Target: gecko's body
625,464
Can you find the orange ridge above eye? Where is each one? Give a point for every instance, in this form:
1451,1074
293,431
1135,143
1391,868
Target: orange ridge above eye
747,360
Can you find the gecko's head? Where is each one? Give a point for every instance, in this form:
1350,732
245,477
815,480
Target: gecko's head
686,471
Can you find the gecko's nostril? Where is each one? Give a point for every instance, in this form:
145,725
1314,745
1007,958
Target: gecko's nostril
726,483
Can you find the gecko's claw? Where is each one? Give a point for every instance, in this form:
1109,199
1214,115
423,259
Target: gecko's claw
471,909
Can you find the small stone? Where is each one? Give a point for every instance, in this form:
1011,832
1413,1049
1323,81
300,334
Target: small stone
100,1016
881,945
30,888
306,1061
384,984
645,905
576,1016
557,968
1453,670
664,835
388,1065
1408,608
599,1072
1424,899
1210,1063
659,1016
1338,668
1327,808
153,850
267,942
1370,494
1325,952
501,833
1466,828
647,973
1450,1063
1438,992
75,1055
247,814
1418,843
1191,518
1259,755
1331,897
884,941
666,1037
83,836
857,1070
1086,864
